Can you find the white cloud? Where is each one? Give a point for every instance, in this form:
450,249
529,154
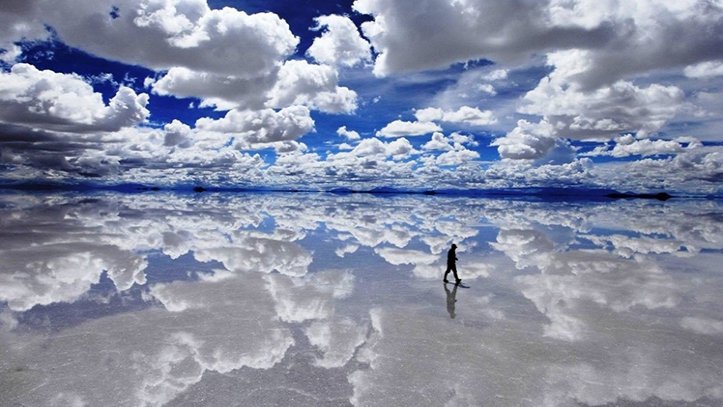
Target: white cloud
177,134
340,43
65,102
399,128
625,39
706,69
526,141
575,112
437,142
222,91
456,157
315,86
695,170
167,34
465,115
295,82
495,75
523,172
398,148
348,134
627,145
487,88
262,126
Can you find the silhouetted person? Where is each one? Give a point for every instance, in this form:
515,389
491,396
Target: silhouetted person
451,299
452,264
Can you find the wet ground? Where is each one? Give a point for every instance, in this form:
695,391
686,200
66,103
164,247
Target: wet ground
330,300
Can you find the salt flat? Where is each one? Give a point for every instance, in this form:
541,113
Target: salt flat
266,299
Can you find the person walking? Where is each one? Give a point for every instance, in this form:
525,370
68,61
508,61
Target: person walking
452,264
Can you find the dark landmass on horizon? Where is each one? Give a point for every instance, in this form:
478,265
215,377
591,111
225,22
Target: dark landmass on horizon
548,193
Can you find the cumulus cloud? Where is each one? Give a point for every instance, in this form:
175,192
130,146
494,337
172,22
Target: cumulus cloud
223,92
521,173
465,115
340,43
455,32
533,141
628,145
186,33
399,128
575,112
315,86
226,57
263,126
44,99
348,134
696,170
438,142
295,82
625,39
456,157
706,69
399,148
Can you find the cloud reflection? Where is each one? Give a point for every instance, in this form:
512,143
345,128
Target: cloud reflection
570,303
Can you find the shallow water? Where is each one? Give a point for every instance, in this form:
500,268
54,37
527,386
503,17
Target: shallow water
330,300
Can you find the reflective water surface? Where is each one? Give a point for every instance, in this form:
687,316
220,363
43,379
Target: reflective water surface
331,300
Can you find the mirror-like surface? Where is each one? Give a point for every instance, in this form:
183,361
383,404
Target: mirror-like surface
331,300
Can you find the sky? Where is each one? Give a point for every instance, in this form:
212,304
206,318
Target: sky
419,94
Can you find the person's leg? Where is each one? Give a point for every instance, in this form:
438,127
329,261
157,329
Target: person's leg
456,277
445,275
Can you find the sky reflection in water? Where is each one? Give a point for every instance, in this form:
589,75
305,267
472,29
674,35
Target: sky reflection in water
303,299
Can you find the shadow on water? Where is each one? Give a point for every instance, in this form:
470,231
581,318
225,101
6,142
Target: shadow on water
451,299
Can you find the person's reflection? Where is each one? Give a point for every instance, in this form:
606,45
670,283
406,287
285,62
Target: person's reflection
451,299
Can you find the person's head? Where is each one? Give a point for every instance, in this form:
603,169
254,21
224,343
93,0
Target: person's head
454,246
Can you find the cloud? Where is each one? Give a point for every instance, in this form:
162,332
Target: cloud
293,83
623,39
465,115
575,112
533,141
698,170
263,126
223,92
348,134
185,34
456,157
15,27
521,173
457,32
340,44
438,142
627,145
65,102
315,86
399,128
373,147
708,69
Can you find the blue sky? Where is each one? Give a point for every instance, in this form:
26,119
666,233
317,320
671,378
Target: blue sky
412,94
